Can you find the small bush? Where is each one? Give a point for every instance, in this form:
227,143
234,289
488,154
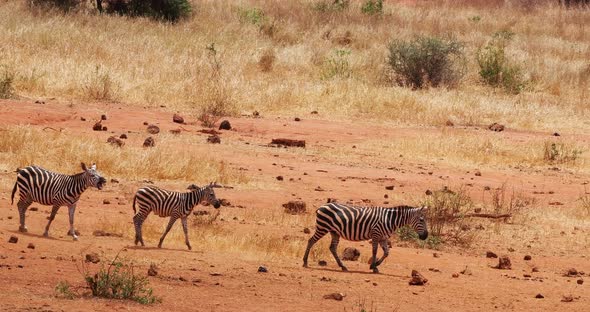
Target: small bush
63,290
331,6
337,66
118,281
494,68
168,10
218,97
560,153
426,61
253,16
63,5
6,83
585,204
266,61
406,233
372,7
101,86
512,204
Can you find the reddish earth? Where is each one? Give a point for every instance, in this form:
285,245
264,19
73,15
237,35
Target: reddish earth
28,276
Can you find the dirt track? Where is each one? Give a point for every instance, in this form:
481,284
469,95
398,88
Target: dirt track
288,286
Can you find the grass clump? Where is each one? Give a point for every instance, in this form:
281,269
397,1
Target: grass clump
62,5
426,61
63,290
6,83
560,153
372,7
337,65
494,67
253,16
167,10
119,281
101,86
331,6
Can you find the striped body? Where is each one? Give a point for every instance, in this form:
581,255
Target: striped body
164,203
39,185
356,223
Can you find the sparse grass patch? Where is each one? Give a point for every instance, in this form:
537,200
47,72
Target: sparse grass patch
584,204
337,65
168,10
325,6
426,61
100,86
513,204
560,153
266,61
63,290
6,82
372,7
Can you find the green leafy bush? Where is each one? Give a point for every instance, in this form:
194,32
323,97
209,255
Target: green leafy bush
337,65
426,61
251,15
168,10
331,6
372,7
63,290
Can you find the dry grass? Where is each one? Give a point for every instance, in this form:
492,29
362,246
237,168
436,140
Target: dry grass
21,146
143,61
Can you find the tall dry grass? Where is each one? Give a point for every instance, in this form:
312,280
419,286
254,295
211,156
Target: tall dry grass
141,61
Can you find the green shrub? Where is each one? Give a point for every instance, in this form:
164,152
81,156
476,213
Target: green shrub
372,7
406,233
337,65
252,15
331,6
494,68
6,83
426,61
62,289
168,10
118,281
560,153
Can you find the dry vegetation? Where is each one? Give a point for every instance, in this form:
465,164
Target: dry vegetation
273,57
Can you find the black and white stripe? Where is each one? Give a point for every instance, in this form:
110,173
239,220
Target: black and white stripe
362,223
170,204
49,188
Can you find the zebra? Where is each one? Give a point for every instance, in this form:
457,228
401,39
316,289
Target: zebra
171,204
49,188
361,223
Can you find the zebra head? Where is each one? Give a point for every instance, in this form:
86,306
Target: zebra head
93,178
418,222
209,195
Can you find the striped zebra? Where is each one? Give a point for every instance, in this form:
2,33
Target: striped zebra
170,204
55,189
361,223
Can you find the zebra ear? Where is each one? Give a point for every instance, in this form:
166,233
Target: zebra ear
424,208
83,166
93,167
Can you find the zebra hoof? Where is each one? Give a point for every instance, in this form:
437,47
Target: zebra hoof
344,269
375,270
23,229
305,265
46,234
75,238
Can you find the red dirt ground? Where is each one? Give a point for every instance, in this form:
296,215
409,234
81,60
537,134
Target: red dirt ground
288,286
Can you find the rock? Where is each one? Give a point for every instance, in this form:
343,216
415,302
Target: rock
322,263
477,210
535,269
315,112
390,187
567,298
455,275
572,272
31,246
115,141
256,114
351,254
106,202
182,279
153,129
527,258
280,178
201,212
466,271
335,296
82,119
92,257
215,274
224,202
496,127
177,119
556,134
306,231
214,139
33,209
486,188
153,270
436,255
297,119
149,142
428,192
504,263
145,123
262,269
103,117
449,123
490,254
288,142
13,239
417,279
539,296
477,173
295,207
123,136
225,125
97,126
580,281
113,180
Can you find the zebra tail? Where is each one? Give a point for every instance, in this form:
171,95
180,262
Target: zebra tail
134,198
13,191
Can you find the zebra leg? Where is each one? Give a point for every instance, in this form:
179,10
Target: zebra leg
51,217
385,248
71,212
374,259
314,239
185,229
138,222
334,249
170,224
22,209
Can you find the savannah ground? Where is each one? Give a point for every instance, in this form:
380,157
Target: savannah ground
367,134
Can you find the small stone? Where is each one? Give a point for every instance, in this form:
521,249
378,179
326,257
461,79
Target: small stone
417,279
145,123
466,271
322,263
149,142
490,254
215,274
31,246
315,112
335,296
539,296
33,209
436,255
262,269
486,188
449,123
280,178
153,129
351,254
527,258
297,119
535,269
214,139
182,279
504,263
104,128
477,173
177,119
106,202
389,187
82,119
123,136
428,192
13,239
455,275
92,257
580,281
567,298
153,270
113,180
256,114
306,231
115,141
97,126
556,134
103,117
225,125
295,207
572,272
496,127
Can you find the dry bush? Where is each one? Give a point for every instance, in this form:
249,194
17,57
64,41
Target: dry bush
6,83
514,204
560,153
584,204
266,60
100,86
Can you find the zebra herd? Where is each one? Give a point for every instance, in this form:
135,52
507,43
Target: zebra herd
352,223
